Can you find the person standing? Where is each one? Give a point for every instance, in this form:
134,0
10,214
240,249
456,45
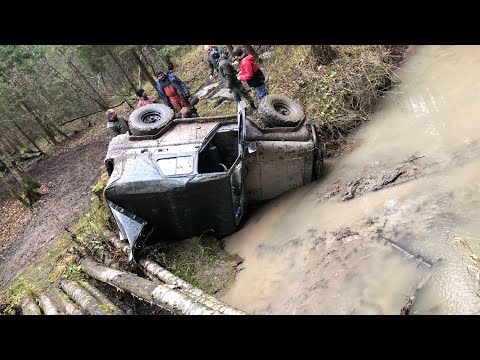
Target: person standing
115,125
173,92
228,75
250,72
211,59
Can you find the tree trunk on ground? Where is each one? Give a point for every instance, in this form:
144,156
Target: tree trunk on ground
323,54
30,307
47,305
250,50
143,69
230,49
39,121
102,102
152,268
66,304
192,291
159,295
114,58
28,138
152,276
82,297
13,193
102,298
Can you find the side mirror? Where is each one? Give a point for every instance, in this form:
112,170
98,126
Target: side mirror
252,147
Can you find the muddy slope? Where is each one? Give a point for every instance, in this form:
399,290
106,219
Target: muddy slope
68,176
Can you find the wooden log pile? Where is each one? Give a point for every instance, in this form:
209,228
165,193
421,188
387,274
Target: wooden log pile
163,289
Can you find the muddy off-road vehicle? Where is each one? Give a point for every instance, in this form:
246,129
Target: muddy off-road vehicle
175,178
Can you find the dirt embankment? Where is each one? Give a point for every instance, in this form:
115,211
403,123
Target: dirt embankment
68,176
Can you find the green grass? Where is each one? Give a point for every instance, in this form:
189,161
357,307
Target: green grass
340,96
198,260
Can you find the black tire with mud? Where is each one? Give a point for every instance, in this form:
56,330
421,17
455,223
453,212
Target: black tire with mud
280,111
149,119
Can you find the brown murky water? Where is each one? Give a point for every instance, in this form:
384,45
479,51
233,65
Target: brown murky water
309,252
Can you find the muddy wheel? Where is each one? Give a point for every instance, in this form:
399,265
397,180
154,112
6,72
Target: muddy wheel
149,119
280,111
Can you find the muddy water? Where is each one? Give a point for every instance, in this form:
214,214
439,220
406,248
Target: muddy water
309,252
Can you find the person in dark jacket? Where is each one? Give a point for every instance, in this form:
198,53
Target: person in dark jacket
173,92
211,59
251,73
228,75
115,125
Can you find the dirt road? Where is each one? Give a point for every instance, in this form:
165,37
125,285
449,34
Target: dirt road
69,175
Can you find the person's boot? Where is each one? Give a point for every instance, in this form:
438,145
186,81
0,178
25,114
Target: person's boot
194,112
254,109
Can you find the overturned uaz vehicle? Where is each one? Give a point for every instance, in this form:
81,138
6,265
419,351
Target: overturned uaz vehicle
175,178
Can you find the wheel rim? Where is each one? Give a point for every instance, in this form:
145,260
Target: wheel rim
151,117
282,109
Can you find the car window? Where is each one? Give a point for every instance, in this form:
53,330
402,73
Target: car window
181,165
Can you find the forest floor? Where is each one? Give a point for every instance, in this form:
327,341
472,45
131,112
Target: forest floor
67,177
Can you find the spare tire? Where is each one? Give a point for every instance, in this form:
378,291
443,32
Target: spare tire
149,119
280,111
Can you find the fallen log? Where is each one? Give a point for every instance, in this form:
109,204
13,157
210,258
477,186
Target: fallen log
102,298
152,276
47,305
83,298
30,307
160,295
152,268
126,308
67,305
197,294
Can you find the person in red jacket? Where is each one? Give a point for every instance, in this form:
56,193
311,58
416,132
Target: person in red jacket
251,73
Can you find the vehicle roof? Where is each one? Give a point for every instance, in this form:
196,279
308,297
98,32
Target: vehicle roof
177,135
